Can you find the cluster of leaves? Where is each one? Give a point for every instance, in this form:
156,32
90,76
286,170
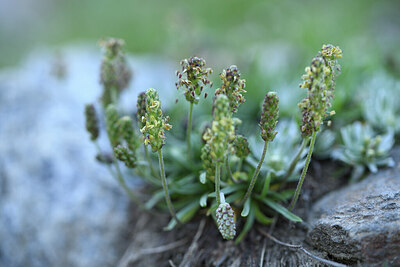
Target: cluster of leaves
222,173
366,143
363,147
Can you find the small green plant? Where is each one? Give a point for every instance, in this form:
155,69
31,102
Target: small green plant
380,103
362,147
213,168
319,81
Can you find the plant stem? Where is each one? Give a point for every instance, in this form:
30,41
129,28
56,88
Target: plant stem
255,174
217,182
303,174
165,187
239,166
189,130
122,183
294,161
146,152
228,168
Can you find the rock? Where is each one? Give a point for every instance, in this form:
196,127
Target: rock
361,222
58,206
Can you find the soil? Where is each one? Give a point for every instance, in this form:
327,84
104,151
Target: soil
198,243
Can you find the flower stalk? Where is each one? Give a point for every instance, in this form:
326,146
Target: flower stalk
153,130
319,81
269,119
304,172
193,77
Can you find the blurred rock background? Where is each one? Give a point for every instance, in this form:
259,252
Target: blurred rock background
57,205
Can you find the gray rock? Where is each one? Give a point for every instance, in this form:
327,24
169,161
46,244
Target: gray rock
58,206
361,222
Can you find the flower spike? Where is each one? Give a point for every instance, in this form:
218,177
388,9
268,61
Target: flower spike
154,122
194,76
319,81
232,86
225,221
115,73
92,122
269,116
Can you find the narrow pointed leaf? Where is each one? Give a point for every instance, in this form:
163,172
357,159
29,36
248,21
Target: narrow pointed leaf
282,210
203,177
246,208
184,215
203,200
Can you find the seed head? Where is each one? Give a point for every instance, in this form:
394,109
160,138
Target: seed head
154,121
193,77
92,122
319,81
141,108
241,146
115,73
125,155
125,126
208,164
225,220
222,131
112,125
232,86
105,158
269,116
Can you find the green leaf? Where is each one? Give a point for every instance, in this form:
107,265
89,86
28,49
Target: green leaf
246,208
281,196
229,189
184,215
282,210
247,226
266,184
260,217
154,200
203,200
187,189
203,177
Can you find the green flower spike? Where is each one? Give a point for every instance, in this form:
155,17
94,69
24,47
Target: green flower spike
154,122
141,108
268,121
225,220
232,86
193,77
269,117
208,164
115,74
220,137
222,131
140,114
92,122
112,125
319,81
125,155
241,146
125,125
105,158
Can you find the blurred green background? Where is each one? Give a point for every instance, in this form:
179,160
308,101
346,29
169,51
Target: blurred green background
270,41
230,29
